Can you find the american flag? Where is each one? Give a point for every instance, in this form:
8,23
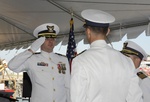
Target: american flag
71,48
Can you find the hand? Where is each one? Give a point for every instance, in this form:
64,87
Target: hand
37,44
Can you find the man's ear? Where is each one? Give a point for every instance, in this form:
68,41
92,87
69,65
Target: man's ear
138,59
88,32
108,32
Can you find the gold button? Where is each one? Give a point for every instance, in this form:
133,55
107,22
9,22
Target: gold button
49,58
53,89
53,78
52,67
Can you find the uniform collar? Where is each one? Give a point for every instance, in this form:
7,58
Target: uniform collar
98,43
46,54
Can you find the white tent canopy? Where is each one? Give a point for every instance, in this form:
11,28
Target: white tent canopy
18,19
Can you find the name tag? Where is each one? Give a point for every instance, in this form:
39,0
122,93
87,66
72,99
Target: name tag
42,64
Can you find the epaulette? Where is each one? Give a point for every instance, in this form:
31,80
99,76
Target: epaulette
60,54
37,53
141,75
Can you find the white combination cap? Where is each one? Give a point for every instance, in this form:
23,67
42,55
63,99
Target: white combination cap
97,18
131,48
49,30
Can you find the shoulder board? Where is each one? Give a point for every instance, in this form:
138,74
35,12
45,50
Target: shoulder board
60,54
141,75
37,53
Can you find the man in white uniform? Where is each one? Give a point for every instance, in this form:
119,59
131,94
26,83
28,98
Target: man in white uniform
49,72
102,74
137,54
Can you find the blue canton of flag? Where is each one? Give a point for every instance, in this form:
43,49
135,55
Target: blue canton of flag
71,48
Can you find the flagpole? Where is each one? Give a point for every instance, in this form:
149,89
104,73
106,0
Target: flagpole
71,48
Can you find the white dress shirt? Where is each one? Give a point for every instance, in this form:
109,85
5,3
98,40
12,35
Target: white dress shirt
48,83
102,74
145,86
